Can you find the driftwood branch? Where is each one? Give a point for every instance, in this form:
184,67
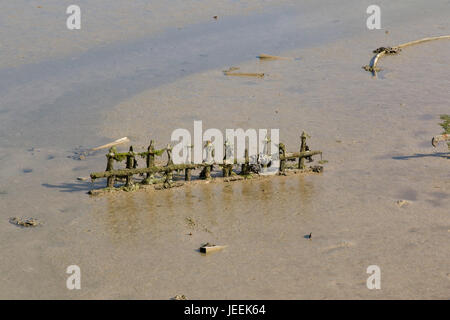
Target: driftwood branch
440,138
382,51
112,144
269,57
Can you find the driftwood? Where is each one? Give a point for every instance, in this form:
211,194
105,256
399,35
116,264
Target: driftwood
440,138
269,57
382,51
112,144
208,248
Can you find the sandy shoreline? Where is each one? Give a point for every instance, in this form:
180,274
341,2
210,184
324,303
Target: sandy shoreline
375,134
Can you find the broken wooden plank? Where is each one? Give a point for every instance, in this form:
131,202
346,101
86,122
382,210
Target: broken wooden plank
243,74
208,248
269,57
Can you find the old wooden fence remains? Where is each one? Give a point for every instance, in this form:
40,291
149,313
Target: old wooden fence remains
166,172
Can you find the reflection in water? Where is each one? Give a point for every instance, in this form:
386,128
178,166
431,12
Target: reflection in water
131,215
209,204
122,216
306,192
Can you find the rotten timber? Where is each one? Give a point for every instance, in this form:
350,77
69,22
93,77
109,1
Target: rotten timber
440,138
175,167
162,176
382,51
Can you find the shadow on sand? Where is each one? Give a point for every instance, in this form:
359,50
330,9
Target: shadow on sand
73,187
424,155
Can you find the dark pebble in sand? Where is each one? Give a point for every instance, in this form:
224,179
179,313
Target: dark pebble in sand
27,170
50,157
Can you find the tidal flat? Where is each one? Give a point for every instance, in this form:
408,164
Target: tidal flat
143,69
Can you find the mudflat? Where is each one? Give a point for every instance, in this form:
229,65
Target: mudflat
142,71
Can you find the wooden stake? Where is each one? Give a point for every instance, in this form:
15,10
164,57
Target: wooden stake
301,160
187,174
150,161
282,153
130,165
206,172
245,169
110,167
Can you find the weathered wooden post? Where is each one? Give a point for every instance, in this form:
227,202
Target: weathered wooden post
245,168
208,162
130,165
169,174
187,172
110,166
206,172
282,153
301,160
227,168
150,161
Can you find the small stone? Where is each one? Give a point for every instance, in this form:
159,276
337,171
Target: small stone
24,222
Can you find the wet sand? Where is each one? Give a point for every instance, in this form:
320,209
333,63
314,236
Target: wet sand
375,134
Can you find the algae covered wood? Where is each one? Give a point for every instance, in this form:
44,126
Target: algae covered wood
149,161
110,166
166,173
270,57
440,138
301,160
125,172
244,74
131,164
282,155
